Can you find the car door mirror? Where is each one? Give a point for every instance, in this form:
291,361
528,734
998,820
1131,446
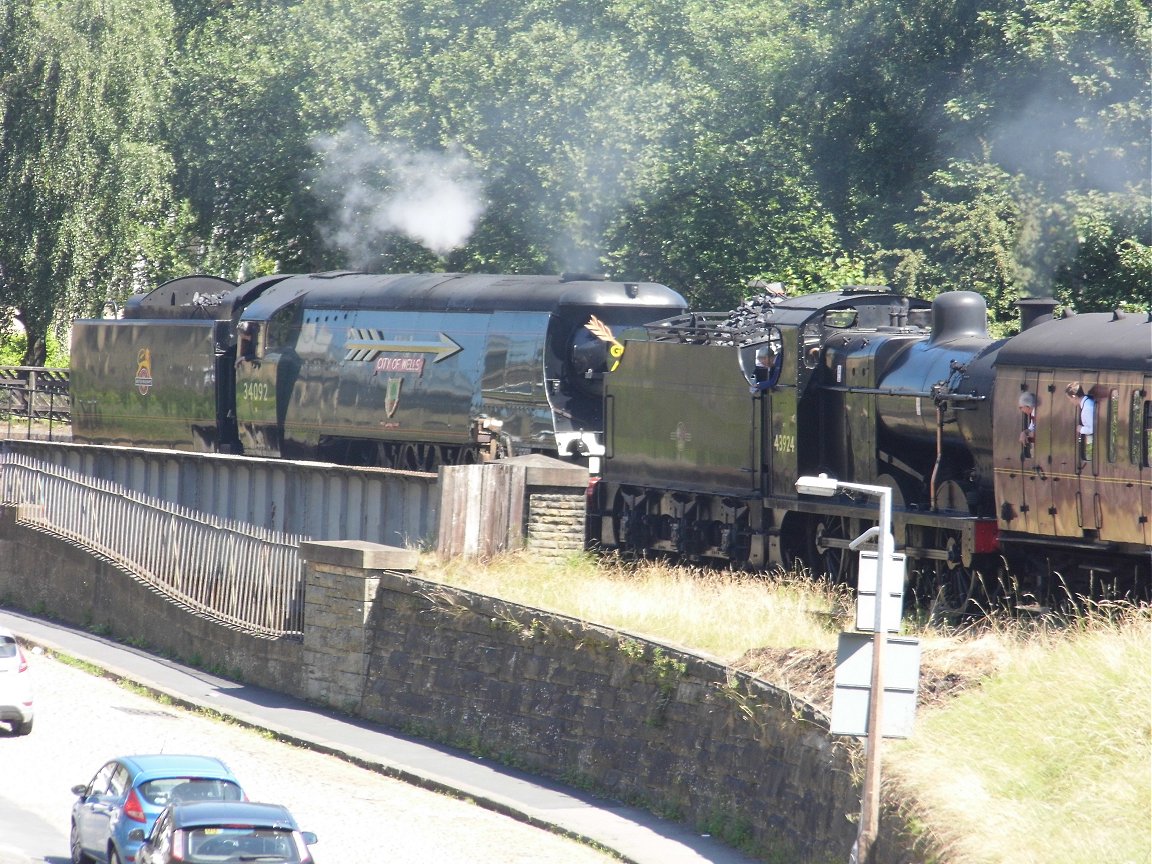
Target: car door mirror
136,835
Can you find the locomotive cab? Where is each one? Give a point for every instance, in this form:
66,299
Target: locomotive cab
585,345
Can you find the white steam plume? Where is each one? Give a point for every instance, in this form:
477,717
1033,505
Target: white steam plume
379,188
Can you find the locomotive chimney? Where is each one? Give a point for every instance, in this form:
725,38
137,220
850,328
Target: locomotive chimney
1034,310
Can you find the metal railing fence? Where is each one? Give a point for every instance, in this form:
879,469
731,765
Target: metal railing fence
245,576
35,402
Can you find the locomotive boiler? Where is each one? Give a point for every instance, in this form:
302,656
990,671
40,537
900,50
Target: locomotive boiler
406,371
876,388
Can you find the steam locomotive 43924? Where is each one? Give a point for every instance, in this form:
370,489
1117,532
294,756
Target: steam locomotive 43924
403,371
987,457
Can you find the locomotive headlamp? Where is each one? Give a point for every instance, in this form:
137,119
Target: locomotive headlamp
822,485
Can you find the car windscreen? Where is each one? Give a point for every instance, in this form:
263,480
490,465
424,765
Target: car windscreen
173,790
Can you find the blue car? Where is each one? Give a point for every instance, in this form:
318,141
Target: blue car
130,792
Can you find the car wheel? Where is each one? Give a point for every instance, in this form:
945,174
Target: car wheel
113,856
24,728
79,856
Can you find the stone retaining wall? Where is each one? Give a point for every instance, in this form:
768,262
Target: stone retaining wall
627,717
54,577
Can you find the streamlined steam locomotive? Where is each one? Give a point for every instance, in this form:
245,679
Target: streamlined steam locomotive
992,474
402,371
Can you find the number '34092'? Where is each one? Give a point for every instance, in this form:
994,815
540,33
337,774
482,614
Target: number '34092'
254,391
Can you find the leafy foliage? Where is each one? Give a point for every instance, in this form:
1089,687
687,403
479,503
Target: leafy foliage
995,145
83,172
14,349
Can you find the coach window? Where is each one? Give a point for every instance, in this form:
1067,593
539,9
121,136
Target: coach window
1139,429
1111,426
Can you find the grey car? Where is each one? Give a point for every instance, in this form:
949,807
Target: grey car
208,832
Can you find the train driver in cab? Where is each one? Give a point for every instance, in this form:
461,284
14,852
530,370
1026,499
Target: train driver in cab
246,345
766,372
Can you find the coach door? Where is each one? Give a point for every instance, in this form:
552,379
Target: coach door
1081,511
1131,453
1033,436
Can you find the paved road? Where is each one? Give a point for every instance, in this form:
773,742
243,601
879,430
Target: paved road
430,828
358,813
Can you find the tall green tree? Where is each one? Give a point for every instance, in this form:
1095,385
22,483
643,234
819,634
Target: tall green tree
83,171
994,144
999,145
551,109
1072,123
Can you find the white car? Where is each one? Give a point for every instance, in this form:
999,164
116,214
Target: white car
15,685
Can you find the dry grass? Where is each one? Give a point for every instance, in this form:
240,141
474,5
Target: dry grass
1049,760
724,615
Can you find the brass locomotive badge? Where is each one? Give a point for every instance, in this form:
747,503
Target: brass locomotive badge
143,380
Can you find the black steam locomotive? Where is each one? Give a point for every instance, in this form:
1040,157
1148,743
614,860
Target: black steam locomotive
992,473
400,371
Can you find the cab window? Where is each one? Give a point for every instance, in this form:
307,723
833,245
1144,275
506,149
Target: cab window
284,325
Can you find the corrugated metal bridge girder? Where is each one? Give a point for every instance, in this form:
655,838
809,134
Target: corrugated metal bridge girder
319,501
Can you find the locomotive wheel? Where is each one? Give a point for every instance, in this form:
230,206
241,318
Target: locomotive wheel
954,590
950,497
738,545
897,493
793,546
629,524
408,458
419,457
383,456
835,563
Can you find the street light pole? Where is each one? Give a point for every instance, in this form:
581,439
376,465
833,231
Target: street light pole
870,809
885,548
